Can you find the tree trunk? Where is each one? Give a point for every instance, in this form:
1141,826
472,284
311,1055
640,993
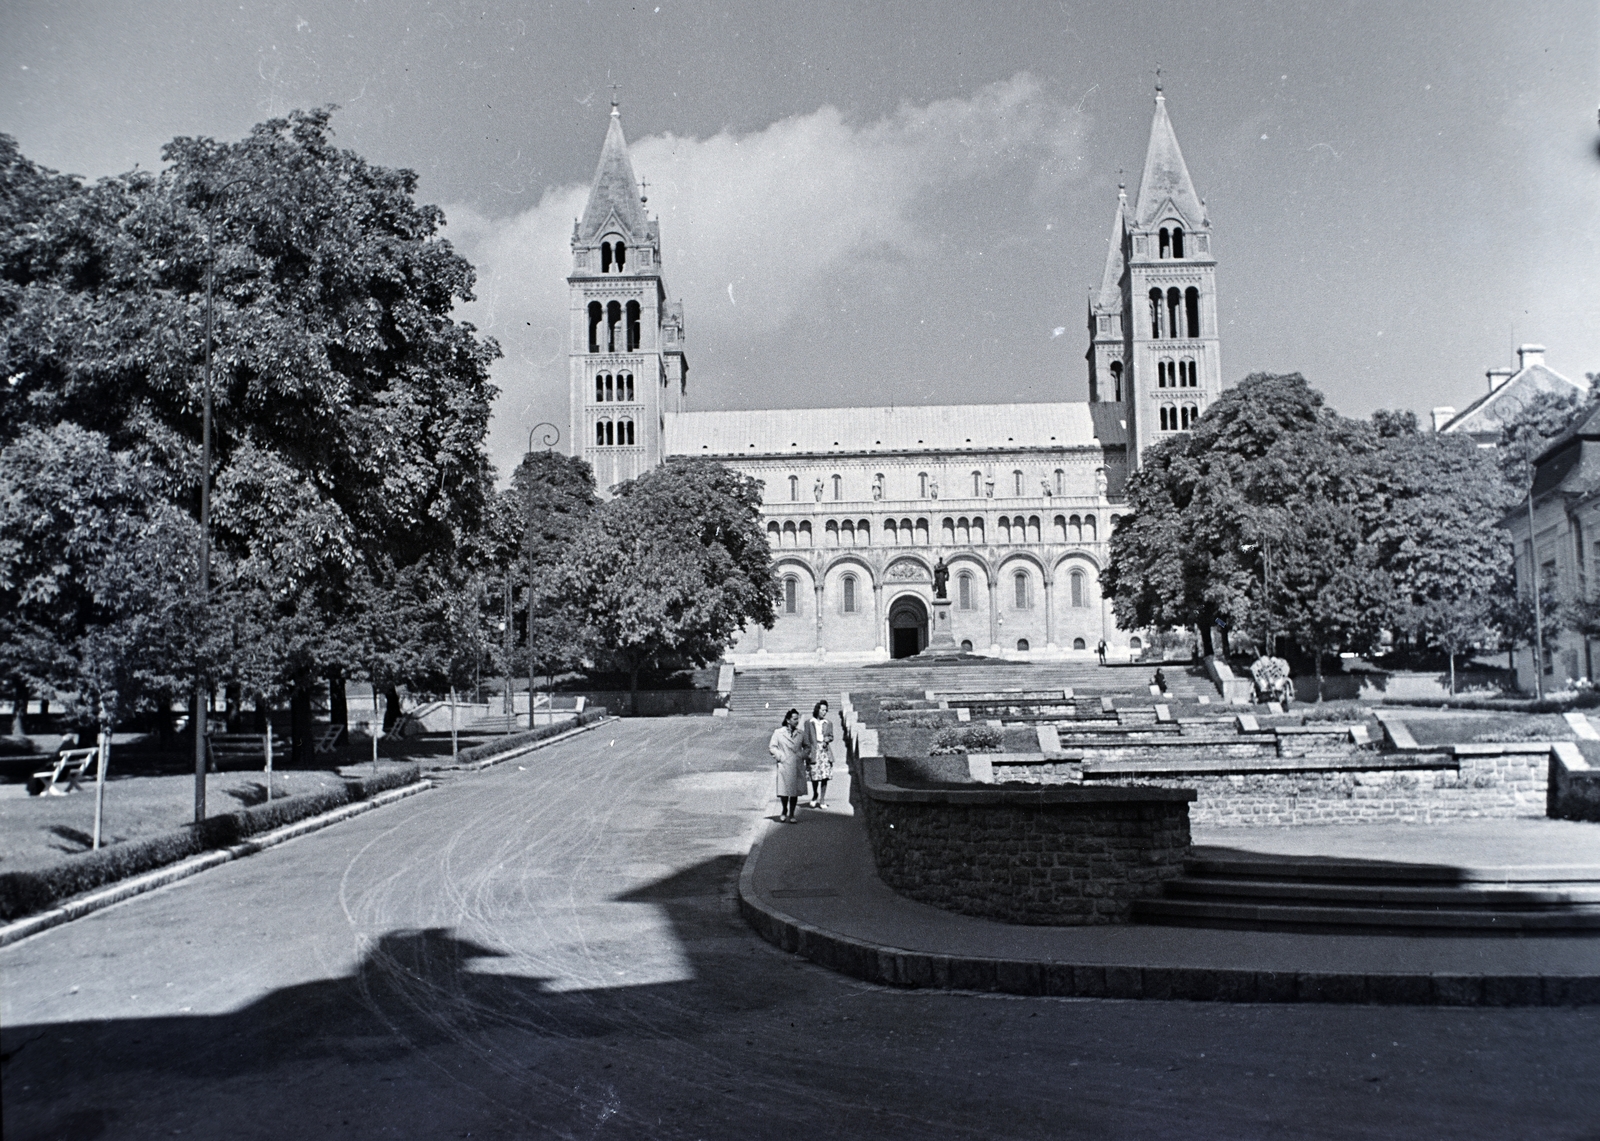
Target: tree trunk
261,714
300,738
233,700
633,687
163,715
1207,646
19,707
338,707
391,708
1452,673
1318,651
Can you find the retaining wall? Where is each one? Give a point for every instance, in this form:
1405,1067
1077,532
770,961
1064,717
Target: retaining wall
1056,855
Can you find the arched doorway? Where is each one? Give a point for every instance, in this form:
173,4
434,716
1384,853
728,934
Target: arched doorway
908,627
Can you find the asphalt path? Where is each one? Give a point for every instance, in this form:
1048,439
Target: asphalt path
552,949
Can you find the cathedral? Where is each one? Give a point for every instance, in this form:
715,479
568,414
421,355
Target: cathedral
1018,500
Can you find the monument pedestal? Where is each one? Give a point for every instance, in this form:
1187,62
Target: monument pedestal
942,644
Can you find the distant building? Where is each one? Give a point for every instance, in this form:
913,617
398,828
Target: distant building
1019,500
1510,390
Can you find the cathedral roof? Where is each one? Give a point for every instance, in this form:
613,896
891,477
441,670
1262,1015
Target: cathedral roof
615,192
1166,176
948,428
1110,299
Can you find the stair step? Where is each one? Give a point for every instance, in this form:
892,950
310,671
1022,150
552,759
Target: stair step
1529,896
1576,919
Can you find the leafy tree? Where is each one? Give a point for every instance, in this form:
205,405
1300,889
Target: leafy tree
675,564
350,406
551,498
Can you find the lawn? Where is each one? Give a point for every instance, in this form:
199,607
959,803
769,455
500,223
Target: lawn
37,831
1464,728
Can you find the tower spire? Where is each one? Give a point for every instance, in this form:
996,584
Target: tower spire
615,191
1166,176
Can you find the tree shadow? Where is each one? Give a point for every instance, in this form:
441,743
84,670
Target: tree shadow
77,836
250,795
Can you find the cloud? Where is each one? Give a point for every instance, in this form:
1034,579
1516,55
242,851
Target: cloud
771,218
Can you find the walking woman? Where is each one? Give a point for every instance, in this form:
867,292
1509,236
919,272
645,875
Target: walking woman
819,753
788,750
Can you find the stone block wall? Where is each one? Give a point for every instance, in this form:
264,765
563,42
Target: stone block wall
1493,786
1058,856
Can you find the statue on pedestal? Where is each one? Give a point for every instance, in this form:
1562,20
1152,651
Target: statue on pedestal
941,576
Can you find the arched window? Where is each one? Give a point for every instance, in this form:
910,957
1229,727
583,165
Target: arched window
1061,482
1155,313
1079,644
922,484
1020,582
1022,645
1186,373
1035,534
1016,477
599,433
605,257
838,486
1135,643
922,532
1075,529
1166,243
966,645
964,531
1191,310
1060,528
789,536
1088,528
891,532
1177,241
849,594
1116,378
791,594
625,379
964,590
619,254
774,534
805,536
634,336
831,533
613,319
977,484
1164,375
847,533
625,428
1075,581
1004,527
1169,418
863,533
1115,519
596,315
977,531
1190,415
794,489
1174,311
947,531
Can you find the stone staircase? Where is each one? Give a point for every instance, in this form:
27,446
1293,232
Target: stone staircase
1231,889
772,691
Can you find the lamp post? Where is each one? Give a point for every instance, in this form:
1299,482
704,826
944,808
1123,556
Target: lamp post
201,682
551,437
1538,609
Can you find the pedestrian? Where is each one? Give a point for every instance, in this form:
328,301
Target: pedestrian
1101,651
1160,680
788,751
819,753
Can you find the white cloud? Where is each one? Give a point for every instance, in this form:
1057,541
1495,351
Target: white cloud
766,218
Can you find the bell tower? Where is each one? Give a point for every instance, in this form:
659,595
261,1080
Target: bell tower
1170,353
628,368
1106,368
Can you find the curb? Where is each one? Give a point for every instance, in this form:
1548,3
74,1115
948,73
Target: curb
521,750
898,967
138,885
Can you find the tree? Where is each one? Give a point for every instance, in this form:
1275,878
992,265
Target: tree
676,563
551,498
350,406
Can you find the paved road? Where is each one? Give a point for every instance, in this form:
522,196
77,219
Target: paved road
552,949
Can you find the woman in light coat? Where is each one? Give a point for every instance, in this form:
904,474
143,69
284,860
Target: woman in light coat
788,751
819,753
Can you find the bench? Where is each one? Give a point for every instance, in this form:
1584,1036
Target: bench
71,766
242,750
327,740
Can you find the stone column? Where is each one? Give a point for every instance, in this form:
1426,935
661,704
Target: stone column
994,615
1050,613
818,628
877,614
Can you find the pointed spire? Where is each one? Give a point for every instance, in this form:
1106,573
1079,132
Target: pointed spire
615,190
1110,299
1165,174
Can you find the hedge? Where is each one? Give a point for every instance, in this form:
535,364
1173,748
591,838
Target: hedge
513,740
23,893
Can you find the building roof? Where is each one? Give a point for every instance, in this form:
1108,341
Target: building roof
615,190
1110,299
950,428
1493,410
1166,176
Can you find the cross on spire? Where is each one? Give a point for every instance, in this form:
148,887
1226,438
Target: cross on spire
615,87
643,186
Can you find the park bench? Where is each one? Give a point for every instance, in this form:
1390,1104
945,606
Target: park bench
243,750
327,740
70,767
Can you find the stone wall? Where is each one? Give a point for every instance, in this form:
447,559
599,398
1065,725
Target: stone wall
1060,855
1468,787
1574,792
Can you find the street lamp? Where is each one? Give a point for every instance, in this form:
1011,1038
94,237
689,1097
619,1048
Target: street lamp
1533,579
201,682
551,437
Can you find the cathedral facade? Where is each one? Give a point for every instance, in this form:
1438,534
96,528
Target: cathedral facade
1018,500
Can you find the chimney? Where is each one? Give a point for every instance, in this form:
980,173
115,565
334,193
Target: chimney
1529,355
1498,376
1442,416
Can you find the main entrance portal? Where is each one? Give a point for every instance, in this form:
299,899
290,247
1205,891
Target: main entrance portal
908,627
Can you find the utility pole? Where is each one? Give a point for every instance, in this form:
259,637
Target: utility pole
551,437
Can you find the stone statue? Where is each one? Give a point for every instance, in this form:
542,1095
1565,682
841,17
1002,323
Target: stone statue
933,489
816,491
877,488
1100,482
941,576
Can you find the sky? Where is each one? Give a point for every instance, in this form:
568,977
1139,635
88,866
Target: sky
908,203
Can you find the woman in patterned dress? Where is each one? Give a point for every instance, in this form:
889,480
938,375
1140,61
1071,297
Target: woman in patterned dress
788,750
819,753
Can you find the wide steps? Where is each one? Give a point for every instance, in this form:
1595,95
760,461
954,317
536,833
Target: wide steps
1267,893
